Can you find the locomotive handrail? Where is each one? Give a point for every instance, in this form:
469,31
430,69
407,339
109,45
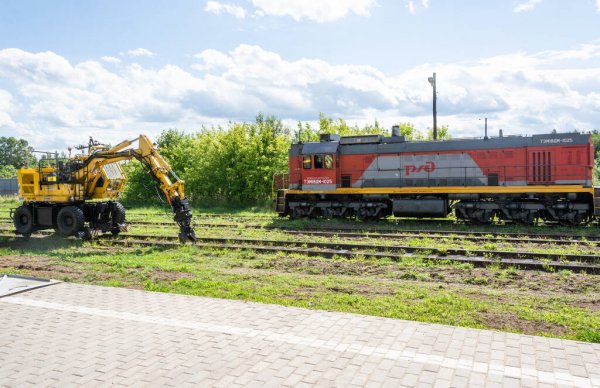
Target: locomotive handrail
281,181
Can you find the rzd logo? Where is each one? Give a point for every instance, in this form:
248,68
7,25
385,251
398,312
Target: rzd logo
427,167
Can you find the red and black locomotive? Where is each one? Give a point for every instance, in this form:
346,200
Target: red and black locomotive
514,178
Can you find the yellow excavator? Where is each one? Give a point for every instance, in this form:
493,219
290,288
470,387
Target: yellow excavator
76,195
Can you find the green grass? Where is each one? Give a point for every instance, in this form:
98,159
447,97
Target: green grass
559,304
374,287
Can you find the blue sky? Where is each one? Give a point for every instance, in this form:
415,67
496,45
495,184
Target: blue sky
114,68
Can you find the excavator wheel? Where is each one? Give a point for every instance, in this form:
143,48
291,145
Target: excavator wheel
118,217
70,220
23,220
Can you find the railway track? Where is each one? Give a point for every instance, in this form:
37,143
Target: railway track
370,228
353,233
525,260
374,229
400,233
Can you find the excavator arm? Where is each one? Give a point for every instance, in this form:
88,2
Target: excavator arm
170,184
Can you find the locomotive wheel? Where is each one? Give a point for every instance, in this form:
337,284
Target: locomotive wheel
296,213
367,214
23,220
574,220
329,213
528,219
118,217
70,220
485,217
477,217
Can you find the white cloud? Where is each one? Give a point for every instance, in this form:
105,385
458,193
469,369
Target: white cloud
232,9
212,59
412,6
138,52
526,5
43,93
319,11
7,107
109,59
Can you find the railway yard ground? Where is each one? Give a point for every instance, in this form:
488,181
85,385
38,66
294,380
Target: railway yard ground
539,280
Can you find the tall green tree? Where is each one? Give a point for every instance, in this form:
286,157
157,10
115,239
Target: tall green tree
596,141
338,126
8,171
442,133
15,152
409,132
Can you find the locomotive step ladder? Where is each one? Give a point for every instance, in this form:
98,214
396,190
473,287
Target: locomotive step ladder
280,202
597,201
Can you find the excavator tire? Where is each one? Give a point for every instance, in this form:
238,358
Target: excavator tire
70,220
23,220
118,217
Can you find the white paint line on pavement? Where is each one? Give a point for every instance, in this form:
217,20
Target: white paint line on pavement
338,346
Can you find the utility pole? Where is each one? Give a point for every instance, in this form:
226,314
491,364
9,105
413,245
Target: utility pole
432,82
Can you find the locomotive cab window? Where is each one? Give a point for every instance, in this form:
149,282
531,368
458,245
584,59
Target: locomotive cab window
306,162
318,161
324,161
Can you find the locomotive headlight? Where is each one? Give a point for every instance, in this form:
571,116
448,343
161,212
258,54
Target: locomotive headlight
71,198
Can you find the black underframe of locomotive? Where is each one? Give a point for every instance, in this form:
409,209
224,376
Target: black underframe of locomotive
565,209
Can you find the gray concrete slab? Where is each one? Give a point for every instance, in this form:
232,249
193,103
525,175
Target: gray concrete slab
96,336
14,284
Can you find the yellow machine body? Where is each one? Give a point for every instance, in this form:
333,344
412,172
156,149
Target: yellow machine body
40,184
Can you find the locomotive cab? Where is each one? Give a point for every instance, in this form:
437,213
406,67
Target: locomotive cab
319,165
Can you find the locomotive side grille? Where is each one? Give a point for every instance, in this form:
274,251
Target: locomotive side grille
549,166
544,175
541,166
534,165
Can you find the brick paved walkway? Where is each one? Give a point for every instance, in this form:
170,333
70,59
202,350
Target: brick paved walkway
78,334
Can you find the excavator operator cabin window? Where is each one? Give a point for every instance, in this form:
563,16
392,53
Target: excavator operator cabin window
306,162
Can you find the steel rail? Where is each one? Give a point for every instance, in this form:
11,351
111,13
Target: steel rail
590,241
400,233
